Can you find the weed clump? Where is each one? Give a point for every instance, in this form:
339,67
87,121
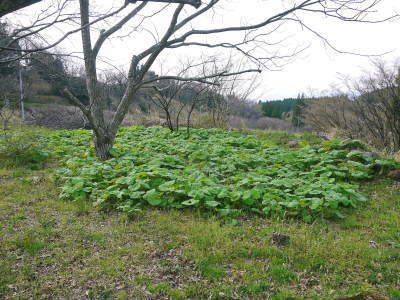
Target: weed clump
20,144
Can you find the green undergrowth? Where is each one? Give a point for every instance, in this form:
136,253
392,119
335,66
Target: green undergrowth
225,173
21,144
281,138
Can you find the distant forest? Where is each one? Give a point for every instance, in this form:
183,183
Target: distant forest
288,108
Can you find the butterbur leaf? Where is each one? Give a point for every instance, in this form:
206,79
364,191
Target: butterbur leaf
153,198
212,204
359,174
339,174
196,194
235,196
135,195
224,194
191,202
327,174
385,163
266,210
315,192
167,186
315,203
249,197
257,211
292,204
354,154
359,197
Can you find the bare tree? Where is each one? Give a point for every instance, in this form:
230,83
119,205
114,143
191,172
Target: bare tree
376,103
179,98
369,110
330,112
175,36
201,95
166,99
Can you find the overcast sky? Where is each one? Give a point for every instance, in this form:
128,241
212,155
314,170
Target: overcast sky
312,71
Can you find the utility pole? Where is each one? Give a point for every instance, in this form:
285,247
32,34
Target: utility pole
22,94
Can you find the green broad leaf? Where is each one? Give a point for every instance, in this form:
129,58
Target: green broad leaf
135,195
339,174
316,203
354,154
249,197
358,196
292,204
223,194
358,165
327,174
212,204
385,163
196,194
168,186
123,180
153,198
134,187
236,195
333,204
266,210
307,218
191,202
359,175
119,194
314,192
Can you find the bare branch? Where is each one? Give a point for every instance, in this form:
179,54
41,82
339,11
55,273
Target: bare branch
195,3
106,34
76,101
202,79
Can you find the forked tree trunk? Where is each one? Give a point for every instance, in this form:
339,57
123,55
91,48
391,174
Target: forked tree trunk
104,133
103,145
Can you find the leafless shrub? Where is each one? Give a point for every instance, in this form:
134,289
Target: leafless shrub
325,113
237,122
57,117
377,105
266,123
138,118
206,120
371,111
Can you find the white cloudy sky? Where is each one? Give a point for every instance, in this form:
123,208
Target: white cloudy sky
315,69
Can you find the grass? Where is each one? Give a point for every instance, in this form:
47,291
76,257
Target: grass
57,249
281,138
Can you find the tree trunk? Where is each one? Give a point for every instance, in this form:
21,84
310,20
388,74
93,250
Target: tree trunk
103,142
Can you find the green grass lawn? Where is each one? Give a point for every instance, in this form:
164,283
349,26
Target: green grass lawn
50,248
